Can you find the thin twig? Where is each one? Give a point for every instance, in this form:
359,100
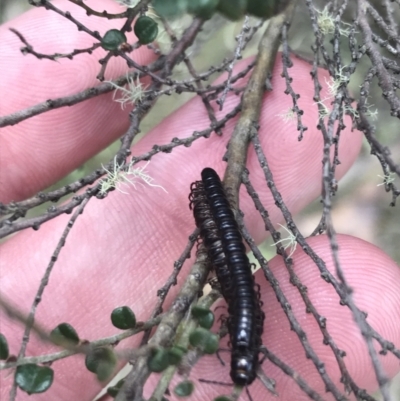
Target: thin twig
42,286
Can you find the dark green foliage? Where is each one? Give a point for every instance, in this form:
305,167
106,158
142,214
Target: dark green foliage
34,379
184,389
204,316
175,355
203,339
4,352
101,361
206,321
113,39
64,334
198,312
262,8
113,390
123,318
159,360
146,29
222,398
170,8
232,9
202,8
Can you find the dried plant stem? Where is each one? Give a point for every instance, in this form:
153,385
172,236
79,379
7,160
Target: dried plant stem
251,104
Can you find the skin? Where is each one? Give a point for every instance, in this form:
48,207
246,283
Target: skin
122,249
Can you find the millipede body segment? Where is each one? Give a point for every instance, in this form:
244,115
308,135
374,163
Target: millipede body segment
210,237
221,237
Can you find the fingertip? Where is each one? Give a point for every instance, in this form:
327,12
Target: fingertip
374,279
66,137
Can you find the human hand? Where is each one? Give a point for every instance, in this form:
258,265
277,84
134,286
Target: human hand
122,249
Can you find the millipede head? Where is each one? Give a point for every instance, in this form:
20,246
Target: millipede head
209,173
243,369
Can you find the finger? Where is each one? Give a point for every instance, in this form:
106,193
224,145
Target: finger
120,250
62,138
65,138
374,278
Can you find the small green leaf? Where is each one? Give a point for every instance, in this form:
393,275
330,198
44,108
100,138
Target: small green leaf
232,9
202,8
63,334
34,379
4,351
146,29
113,39
159,361
222,398
170,8
204,316
184,389
123,318
101,361
113,390
175,355
198,311
203,339
206,321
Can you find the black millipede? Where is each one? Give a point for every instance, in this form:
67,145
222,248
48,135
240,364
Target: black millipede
221,237
210,237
